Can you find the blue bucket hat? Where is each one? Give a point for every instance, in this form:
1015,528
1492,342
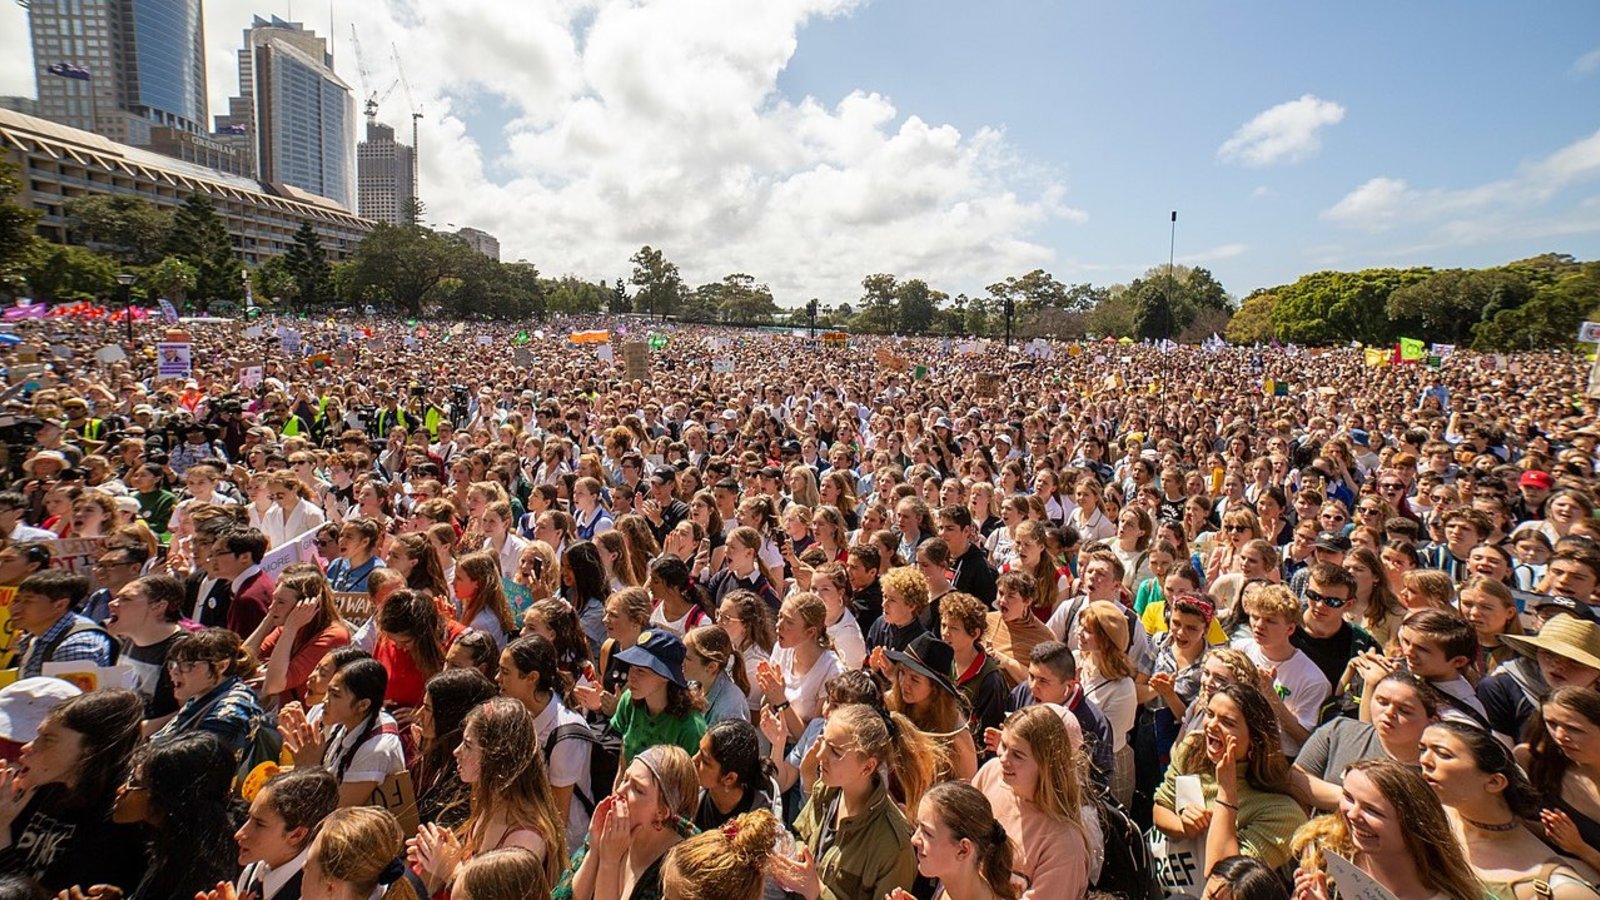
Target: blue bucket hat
659,651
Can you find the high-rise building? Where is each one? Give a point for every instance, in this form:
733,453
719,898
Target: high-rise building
481,241
120,67
386,175
295,115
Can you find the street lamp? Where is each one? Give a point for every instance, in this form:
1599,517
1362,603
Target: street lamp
125,280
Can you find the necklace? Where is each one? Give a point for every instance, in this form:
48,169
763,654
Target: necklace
1484,826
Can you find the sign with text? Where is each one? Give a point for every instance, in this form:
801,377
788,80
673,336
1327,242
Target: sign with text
636,361
174,360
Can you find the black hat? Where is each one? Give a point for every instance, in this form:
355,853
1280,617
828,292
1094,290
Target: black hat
1333,542
931,658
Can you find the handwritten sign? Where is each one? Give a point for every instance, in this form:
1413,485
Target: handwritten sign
398,795
76,555
1181,863
8,632
354,607
1353,884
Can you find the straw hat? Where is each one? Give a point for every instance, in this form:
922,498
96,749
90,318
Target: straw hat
1564,636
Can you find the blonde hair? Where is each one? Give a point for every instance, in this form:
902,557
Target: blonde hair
726,863
626,568
910,584
483,567
510,873
512,786
1432,584
891,740
356,845
813,614
1110,628
1272,600
1060,791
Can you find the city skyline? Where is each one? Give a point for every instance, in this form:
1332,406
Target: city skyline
810,143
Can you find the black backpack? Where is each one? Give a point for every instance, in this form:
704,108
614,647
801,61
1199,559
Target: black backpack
605,753
1129,871
81,628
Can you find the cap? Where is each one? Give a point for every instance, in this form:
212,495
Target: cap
931,658
1333,541
1359,437
25,703
659,651
790,446
1557,605
1540,481
941,422
1577,639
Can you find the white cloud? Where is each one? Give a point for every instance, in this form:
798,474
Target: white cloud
660,122
1587,64
1516,206
1286,133
1213,254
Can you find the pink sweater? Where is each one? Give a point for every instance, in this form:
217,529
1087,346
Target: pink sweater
1053,859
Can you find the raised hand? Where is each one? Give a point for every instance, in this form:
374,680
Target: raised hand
302,613
300,736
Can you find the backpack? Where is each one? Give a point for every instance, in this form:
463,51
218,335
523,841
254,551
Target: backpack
1129,870
81,628
605,755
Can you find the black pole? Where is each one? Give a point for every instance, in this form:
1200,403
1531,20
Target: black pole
1172,282
127,312
811,312
1010,309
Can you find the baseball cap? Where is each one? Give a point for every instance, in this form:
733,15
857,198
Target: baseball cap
25,703
1556,605
1360,437
659,651
1537,480
1332,541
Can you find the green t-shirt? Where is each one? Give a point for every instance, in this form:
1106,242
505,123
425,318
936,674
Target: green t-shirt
640,730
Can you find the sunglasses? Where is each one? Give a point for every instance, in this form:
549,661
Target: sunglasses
1235,528
1329,602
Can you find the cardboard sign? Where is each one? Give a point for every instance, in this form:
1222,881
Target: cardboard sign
522,357
9,635
354,607
988,385
110,353
636,361
76,555
1353,884
250,378
88,677
722,366
398,795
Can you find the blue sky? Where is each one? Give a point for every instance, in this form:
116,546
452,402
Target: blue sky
812,142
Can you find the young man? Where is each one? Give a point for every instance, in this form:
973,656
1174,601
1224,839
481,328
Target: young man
862,565
1324,635
1013,630
1329,547
275,838
905,596
114,569
145,613
1437,646
1464,529
973,574
1053,678
962,621
1575,572
42,609
1293,683
236,558
664,510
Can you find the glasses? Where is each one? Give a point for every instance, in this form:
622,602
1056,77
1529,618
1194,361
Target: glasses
1390,486
1368,510
182,666
725,618
1236,529
1325,600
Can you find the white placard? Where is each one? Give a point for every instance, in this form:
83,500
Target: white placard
484,340
606,354
1589,332
722,366
110,353
1353,884
174,360
1181,862
250,378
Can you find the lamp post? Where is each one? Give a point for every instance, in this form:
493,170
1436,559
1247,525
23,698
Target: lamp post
125,281
1011,309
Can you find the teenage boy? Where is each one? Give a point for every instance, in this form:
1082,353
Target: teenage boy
1329,547
1293,684
862,565
905,596
1053,678
275,838
1574,572
1013,630
114,569
1437,646
1324,635
962,621
236,558
1464,529
145,613
42,609
973,574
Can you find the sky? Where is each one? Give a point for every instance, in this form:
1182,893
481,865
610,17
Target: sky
809,143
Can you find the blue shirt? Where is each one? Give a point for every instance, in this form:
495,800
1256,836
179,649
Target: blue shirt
344,579
87,646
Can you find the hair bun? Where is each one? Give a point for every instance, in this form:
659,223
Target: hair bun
751,836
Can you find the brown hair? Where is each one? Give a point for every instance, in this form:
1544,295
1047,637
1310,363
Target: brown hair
726,863
356,845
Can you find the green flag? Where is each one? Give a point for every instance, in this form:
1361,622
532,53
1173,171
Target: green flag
919,373
1412,350
521,339
658,341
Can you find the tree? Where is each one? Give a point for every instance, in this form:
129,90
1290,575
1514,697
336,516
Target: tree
660,286
307,264
878,299
1252,324
1549,318
130,228
63,273
403,264
172,278
1154,314
1337,307
1115,316
572,296
916,305
1448,304
619,298
274,285
743,300
199,238
413,211
16,227
1036,290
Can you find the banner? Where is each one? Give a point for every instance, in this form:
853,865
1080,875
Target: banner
168,311
300,548
1410,350
174,360
8,633
1181,863
1375,358
1589,332
590,337
76,555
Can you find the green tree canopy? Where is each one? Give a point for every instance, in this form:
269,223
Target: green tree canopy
132,229
660,286
404,264
199,238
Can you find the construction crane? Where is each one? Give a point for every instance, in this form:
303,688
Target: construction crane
416,116
375,98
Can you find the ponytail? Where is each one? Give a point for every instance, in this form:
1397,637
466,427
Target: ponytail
368,680
967,813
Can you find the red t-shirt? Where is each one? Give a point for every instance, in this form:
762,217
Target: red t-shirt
405,679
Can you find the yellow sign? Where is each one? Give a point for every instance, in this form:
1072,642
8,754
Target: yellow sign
8,632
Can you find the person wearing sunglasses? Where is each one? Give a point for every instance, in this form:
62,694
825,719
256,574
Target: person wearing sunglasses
1324,635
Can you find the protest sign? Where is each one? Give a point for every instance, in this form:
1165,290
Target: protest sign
250,378
722,366
109,354
76,555
1589,332
605,353
298,549
1353,884
174,360
522,356
354,607
8,632
88,677
636,361
485,341
1181,863
988,384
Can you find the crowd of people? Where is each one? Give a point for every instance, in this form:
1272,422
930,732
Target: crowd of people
361,609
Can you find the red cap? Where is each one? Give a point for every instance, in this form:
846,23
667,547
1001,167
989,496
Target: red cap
1537,480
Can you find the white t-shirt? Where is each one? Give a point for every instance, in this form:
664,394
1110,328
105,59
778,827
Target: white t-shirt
568,763
848,643
804,693
375,760
1118,698
1299,682
679,626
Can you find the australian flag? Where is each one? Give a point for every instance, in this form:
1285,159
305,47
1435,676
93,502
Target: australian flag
231,129
68,70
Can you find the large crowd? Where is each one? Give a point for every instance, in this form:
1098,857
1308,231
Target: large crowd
355,608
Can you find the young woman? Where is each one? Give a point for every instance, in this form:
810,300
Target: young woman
960,844
1403,706
1491,609
181,790
473,650
1373,605
277,832
622,570
830,531
358,546
1427,589
657,707
680,604
583,586
727,863
856,839
357,855
831,582
1243,775
302,626
924,691
711,662
1392,827
1487,798
411,637
749,623
415,558
1107,676
480,597
1131,544
357,741
745,570
791,682
1563,762
442,797
633,829
1051,584
511,802
734,776
208,668
1243,878
56,802
1163,559
1398,557
1034,787
509,874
